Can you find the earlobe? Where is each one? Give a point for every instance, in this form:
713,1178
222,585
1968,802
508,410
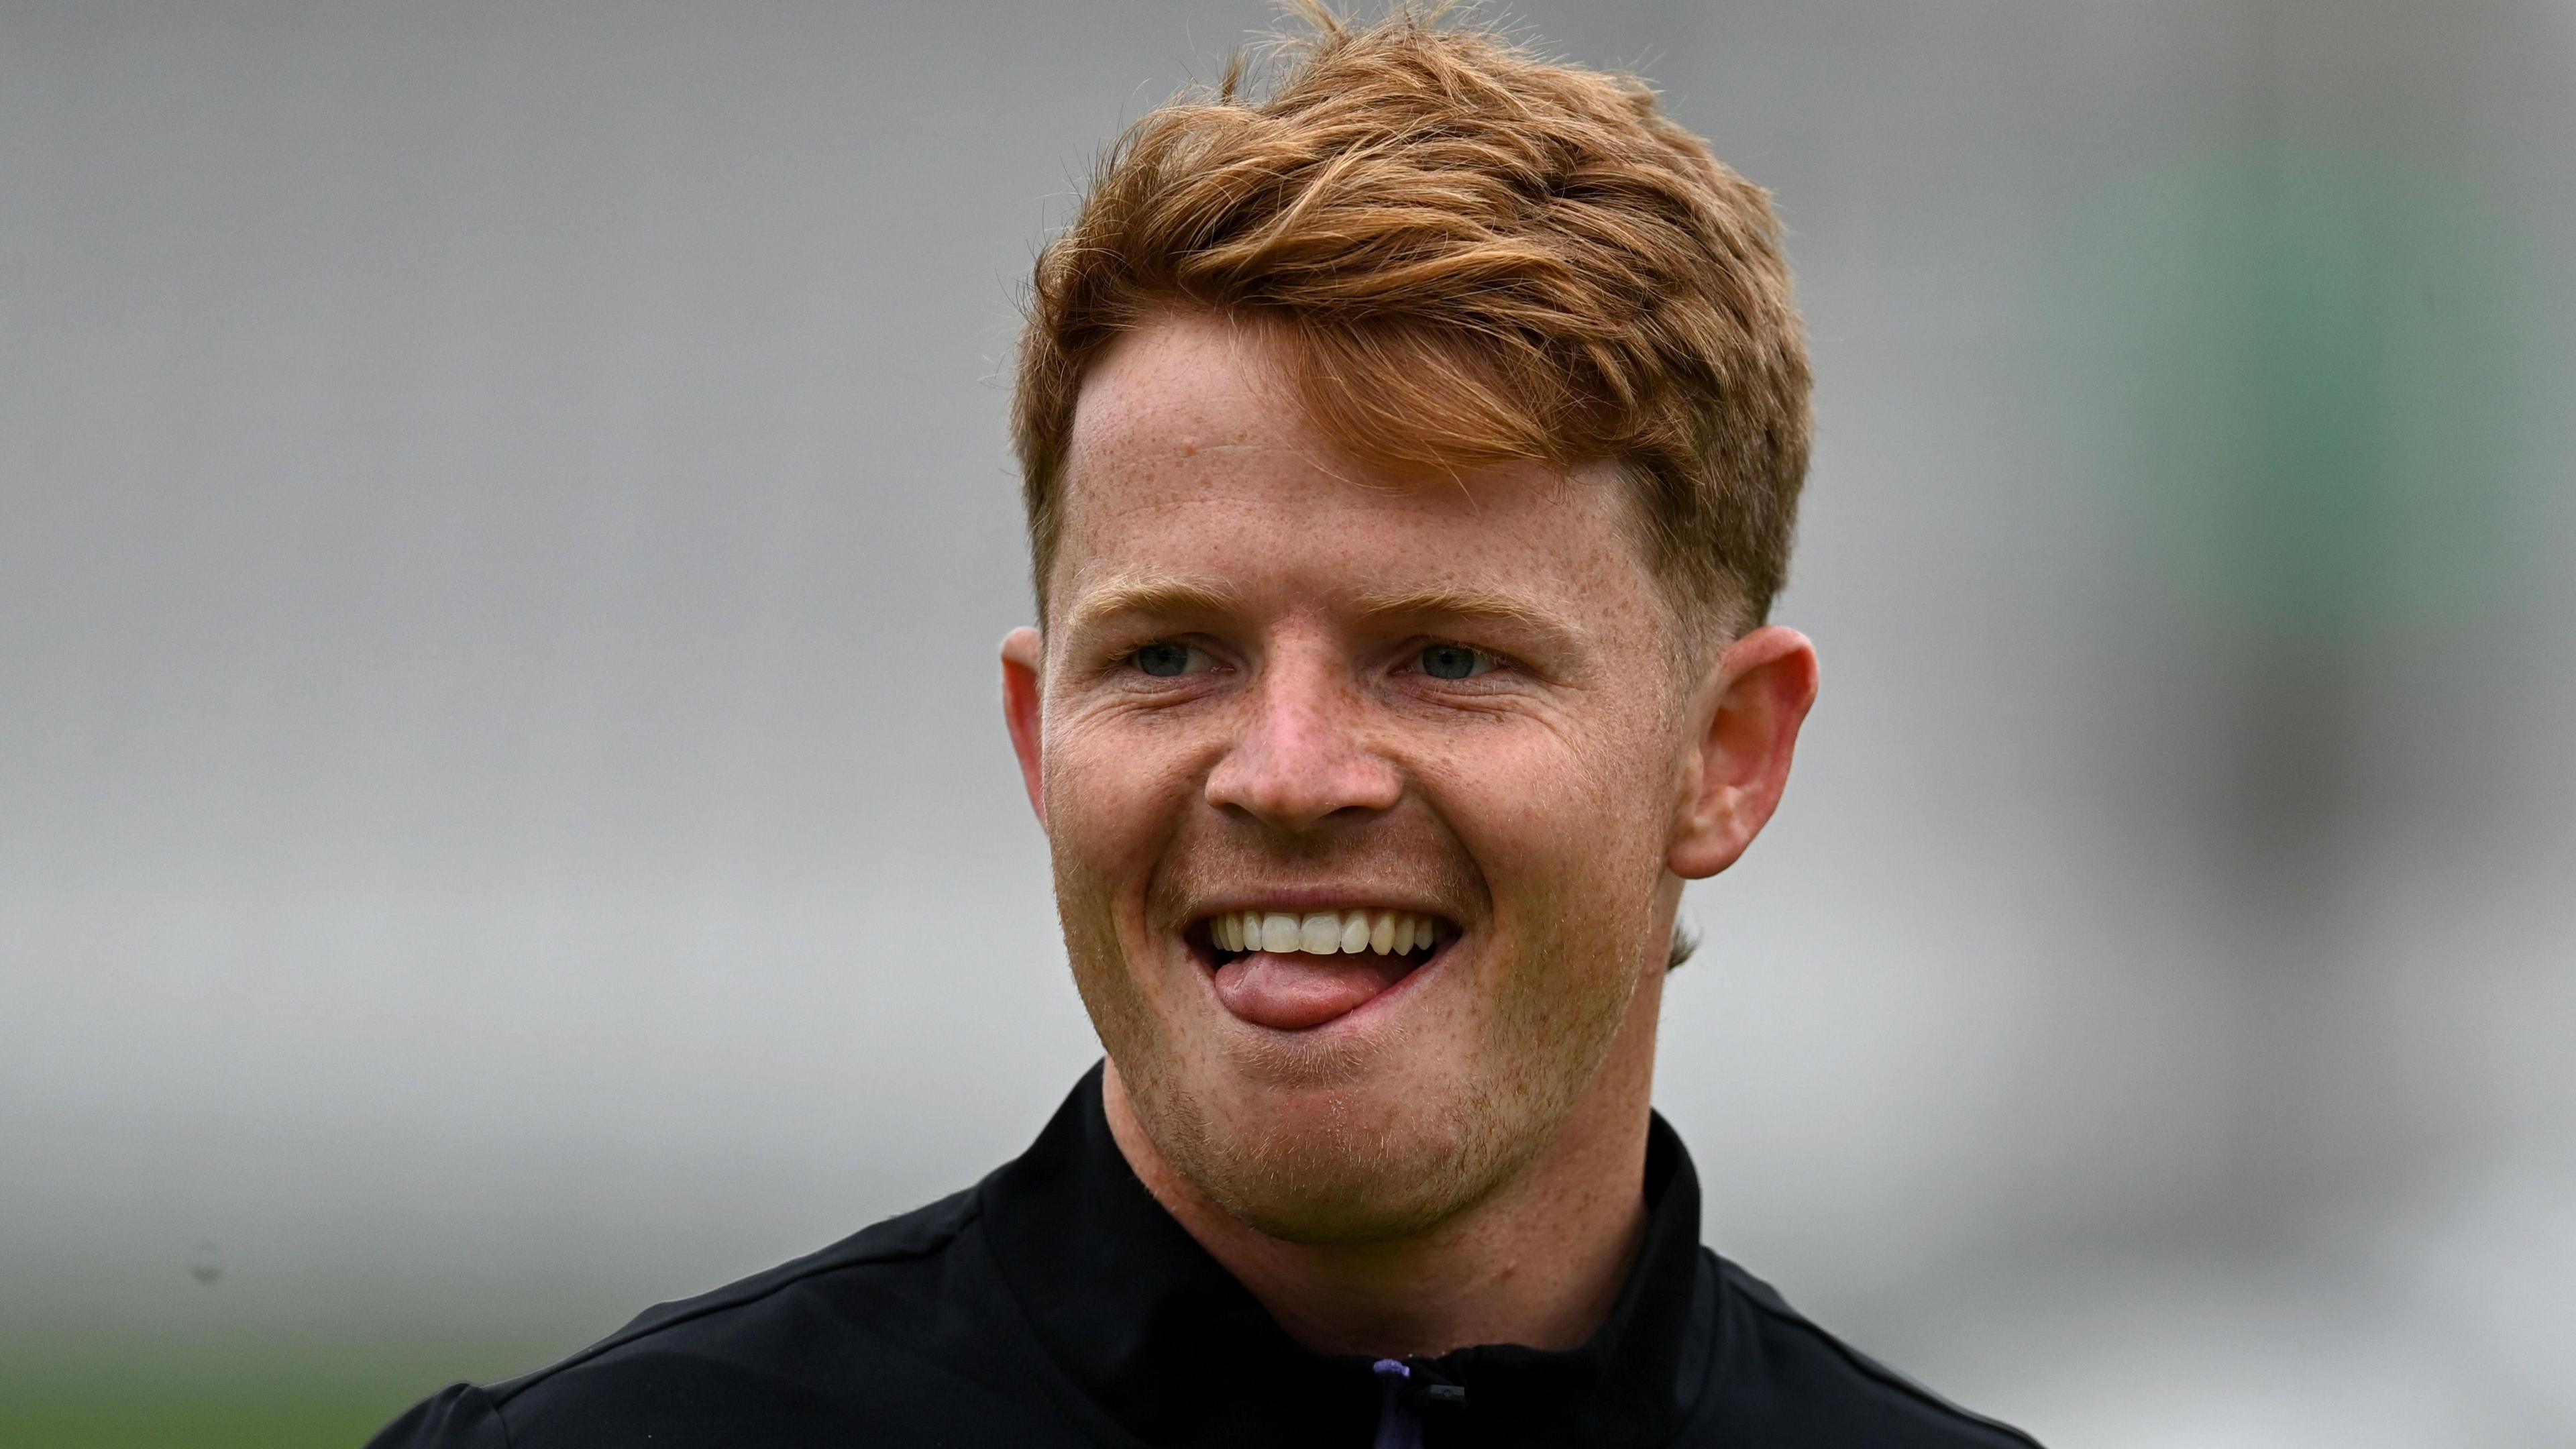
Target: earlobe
1763,688
1023,653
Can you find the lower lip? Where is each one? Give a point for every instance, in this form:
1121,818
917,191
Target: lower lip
1296,992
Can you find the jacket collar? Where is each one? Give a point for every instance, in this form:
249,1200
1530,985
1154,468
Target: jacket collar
1161,1339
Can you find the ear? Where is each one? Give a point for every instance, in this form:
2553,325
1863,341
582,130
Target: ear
1022,651
1757,699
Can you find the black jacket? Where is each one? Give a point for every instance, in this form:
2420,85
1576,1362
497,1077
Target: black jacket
1057,1304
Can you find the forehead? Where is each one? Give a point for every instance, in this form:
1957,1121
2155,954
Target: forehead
1192,461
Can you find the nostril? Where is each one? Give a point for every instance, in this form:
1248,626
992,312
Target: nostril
1301,773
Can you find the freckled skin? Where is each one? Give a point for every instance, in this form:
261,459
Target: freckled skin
1457,1161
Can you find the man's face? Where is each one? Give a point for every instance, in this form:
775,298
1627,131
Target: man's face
1280,685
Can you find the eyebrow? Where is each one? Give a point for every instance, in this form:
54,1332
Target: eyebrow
1154,596
1168,597
1465,604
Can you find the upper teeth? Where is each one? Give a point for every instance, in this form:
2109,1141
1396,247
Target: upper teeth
1323,933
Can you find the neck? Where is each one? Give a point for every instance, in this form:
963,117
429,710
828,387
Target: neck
1539,1261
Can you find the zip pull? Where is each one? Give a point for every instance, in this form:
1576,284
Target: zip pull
1402,1395
1399,1419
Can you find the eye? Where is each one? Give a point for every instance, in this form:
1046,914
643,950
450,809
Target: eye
1455,661
1164,659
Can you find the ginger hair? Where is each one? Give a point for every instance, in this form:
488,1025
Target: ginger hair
1474,256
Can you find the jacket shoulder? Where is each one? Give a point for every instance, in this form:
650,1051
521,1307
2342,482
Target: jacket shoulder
693,1322
855,1343
459,1416
1793,1385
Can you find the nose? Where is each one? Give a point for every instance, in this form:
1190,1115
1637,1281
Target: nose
1301,757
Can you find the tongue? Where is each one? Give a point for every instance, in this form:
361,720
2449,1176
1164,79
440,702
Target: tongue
1294,991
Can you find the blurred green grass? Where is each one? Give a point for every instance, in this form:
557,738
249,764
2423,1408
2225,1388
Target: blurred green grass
199,1417
319,1398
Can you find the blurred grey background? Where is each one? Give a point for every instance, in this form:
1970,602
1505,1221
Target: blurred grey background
505,520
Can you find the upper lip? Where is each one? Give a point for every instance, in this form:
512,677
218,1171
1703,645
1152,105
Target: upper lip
1301,900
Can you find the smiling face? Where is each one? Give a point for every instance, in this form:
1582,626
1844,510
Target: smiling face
1294,715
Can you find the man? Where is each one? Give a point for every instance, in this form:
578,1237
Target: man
1410,457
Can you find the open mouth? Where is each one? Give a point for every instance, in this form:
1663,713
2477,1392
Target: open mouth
1292,970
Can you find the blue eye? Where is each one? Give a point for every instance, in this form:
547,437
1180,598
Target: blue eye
1164,659
1452,661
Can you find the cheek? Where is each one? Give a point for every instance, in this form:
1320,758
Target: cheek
1566,815
1113,794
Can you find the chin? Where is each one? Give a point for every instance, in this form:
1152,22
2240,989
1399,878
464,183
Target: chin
1363,1161
1412,1110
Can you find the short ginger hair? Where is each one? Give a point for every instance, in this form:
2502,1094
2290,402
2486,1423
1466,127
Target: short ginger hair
1474,256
